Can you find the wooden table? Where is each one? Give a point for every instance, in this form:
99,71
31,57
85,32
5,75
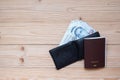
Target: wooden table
29,28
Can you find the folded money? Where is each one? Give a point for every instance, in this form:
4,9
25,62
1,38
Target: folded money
77,29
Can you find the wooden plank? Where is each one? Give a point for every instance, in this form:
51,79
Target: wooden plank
33,11
74,7
38,62
38,56
38,78
111,79
39,50
46,73
53,8
17,3
34,78
41,17
37,33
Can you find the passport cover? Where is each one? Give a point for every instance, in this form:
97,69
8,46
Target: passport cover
94,52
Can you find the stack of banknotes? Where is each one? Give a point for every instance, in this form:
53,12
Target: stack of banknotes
77,29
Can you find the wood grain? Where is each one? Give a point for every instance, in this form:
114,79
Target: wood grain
38,56
33,33
48,73
30,28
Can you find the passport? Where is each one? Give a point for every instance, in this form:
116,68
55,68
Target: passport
94,52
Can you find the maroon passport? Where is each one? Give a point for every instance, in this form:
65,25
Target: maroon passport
94,52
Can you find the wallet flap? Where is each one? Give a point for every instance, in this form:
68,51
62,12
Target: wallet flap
64,55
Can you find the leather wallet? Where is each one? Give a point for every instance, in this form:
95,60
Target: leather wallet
70,52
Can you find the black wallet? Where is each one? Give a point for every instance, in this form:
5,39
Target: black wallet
70,52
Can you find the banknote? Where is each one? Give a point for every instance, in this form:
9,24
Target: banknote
76,30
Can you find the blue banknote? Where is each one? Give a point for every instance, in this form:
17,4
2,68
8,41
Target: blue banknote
76,30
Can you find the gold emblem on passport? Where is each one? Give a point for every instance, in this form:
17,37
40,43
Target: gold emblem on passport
94,61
